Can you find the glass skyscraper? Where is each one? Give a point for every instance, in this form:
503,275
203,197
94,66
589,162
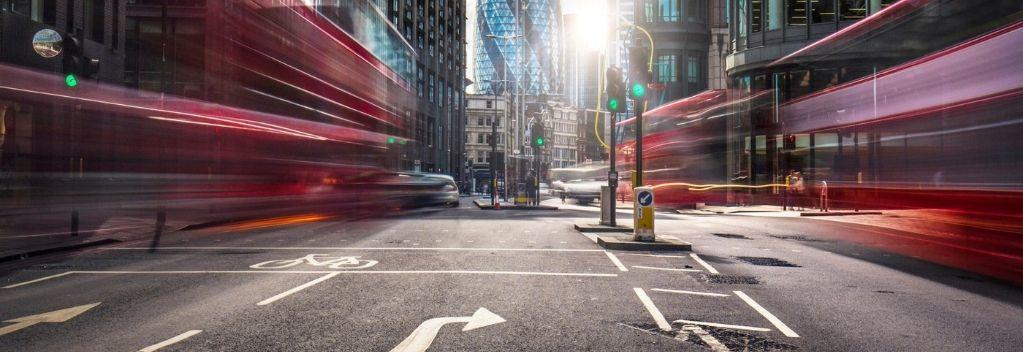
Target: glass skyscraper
498,46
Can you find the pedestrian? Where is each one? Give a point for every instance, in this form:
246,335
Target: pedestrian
824,196
562,197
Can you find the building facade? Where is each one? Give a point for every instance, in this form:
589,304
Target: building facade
484,112
520,43
681,35
436,29
561,129
786,56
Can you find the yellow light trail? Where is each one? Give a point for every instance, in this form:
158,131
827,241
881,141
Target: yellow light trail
707,187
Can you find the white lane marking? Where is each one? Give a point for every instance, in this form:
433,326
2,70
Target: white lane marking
770,317
563,242
39,279
533,273
617,262
690,292
469,241
726,326
171,341
296,289
361,248
707,338
654,312
703,263
666,269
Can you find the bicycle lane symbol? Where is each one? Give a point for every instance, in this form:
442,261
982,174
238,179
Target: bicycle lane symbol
340,262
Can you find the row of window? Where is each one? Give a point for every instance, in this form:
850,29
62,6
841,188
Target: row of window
667,68
672,11
484,138
771,14
94,15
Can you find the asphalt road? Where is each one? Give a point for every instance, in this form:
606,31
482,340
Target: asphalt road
514,281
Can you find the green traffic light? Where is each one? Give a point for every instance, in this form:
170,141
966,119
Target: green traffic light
612,104
390,140
539,141
71,80
638,90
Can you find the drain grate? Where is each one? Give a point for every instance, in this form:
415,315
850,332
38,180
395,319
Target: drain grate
741,341
729,279
731,235
767,261
801,238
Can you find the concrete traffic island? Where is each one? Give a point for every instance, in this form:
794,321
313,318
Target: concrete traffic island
627,243
599,228
485,204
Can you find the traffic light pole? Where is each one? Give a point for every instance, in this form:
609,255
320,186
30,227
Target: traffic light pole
612,179
639,145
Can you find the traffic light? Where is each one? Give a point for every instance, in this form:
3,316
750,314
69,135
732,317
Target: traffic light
539,139
76,64
615,89
639,72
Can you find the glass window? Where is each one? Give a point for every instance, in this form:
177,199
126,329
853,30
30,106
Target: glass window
669,10
693,69
773,14
695,10
852,9
796,12
740,7
822,11
666,65
756,15
648,12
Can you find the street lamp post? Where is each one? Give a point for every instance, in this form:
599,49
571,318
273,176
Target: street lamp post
494,135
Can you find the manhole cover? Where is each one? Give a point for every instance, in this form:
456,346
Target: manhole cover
741,341
801,238
766,261
729,279
732,235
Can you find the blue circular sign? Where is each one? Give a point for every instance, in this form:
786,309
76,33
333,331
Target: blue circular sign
645,198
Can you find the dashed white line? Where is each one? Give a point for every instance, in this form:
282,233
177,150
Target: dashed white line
726,326
690,292
171,341
296,289
650,307
617,262
770,317
39,279
666,269
703,263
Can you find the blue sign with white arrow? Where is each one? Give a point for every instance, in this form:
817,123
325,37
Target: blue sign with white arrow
645,198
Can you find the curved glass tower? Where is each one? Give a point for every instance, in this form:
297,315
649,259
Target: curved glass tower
499,60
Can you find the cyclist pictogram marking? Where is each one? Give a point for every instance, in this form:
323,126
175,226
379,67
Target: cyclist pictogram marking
340,262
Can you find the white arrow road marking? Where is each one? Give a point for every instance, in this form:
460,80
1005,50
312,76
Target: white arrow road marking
57,316
171,341
422,337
